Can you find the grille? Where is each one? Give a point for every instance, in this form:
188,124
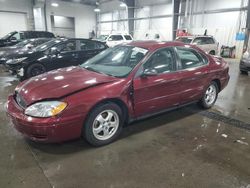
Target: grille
20,101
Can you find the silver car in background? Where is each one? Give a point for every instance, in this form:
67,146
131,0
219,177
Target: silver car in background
205,42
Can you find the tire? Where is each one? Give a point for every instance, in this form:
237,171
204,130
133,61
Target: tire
212,52
100,130
243,72
210,96
34,70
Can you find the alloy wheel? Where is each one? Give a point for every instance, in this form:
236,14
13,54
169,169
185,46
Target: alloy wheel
210,95
105,125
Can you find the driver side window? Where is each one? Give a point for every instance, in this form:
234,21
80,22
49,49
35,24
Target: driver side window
161,61
67,46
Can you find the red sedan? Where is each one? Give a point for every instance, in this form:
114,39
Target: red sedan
120,85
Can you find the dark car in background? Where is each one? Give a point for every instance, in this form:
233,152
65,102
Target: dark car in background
56,53
21,47
15,37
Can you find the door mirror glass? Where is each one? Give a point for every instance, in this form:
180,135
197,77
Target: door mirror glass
149,72
54,51
29,46
13,39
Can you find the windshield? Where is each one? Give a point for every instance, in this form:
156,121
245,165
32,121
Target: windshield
8,35
23,43
185,40
118,61
102,37
47,45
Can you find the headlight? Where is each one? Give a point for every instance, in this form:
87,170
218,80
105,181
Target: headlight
45,109
14,61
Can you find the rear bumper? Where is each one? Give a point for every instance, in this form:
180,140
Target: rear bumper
224,82
48,130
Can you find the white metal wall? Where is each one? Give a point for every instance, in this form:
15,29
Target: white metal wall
114,26
224,25
85,18
15,15
149,27
18,22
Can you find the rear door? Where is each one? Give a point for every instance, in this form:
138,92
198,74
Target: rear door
89,49
67,56
193,72
159,91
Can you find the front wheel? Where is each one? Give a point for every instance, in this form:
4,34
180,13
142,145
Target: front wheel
34,70
104,124
210,96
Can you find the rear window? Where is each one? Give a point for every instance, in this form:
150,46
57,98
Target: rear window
128,37
204,40
190,58
185,40
115,37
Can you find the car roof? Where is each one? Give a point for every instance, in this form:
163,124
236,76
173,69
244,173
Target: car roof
154,45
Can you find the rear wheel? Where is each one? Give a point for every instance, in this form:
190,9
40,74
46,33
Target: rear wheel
210,95
104,124
243,72
212,52
34,70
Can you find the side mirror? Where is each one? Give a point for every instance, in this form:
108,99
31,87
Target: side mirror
54,51
29,46
13,39
149,72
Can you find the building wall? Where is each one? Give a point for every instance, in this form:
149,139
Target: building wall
150,27
18,6
111,11
85,17
223,26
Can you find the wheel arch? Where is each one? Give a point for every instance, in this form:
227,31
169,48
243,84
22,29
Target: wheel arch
118,102
212,52
217,81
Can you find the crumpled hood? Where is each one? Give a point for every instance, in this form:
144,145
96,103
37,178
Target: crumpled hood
5,51
59,83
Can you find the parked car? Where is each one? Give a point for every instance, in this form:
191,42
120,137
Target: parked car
245,63
206,43
15,37
119,85
21,47
115,39
57,53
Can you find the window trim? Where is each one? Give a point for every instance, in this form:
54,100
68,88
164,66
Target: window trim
65,42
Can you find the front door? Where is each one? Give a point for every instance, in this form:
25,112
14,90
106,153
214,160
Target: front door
158,87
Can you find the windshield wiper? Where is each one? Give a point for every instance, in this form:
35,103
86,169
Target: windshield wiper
91,69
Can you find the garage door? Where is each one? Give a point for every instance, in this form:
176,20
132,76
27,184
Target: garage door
12,22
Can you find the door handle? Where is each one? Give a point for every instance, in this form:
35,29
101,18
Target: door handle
75,55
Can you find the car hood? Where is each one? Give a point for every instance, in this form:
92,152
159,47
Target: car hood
60,83
5,51
23,53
